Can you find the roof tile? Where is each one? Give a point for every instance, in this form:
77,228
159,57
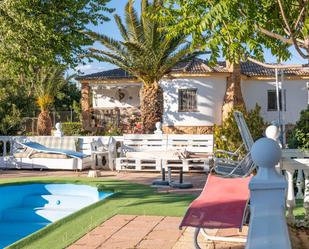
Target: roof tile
198,66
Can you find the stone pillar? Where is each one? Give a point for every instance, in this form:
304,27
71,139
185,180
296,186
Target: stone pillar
233,95
267,227
85,104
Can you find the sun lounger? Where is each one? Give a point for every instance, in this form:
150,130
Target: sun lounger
36,147
222,204
51,153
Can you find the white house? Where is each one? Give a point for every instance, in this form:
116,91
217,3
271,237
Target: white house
193,94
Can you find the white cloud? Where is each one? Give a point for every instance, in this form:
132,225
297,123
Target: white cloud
90,68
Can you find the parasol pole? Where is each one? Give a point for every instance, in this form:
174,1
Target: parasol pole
283,109
278,102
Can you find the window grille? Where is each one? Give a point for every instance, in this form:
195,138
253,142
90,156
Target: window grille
187,100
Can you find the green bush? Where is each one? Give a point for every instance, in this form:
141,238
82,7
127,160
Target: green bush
299,136
73,129
227,136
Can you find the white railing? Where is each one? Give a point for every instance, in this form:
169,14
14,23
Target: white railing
296,161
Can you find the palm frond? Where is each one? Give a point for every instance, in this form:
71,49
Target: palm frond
108,42
121,27
146,51
133,23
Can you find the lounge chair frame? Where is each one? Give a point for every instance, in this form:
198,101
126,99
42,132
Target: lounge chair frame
220,238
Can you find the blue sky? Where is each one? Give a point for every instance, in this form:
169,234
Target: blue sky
110,29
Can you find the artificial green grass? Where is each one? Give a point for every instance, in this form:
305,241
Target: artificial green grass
299,211
130,198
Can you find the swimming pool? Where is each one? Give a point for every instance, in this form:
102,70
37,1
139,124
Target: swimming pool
26,208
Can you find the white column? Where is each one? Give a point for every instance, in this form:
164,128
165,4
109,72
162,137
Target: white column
299,184
267,227
290,198
306,197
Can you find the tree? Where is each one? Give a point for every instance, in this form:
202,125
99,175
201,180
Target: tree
242,29
39,33
48,82
67,96
147,53
14,105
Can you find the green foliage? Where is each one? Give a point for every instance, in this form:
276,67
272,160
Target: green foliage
146,51
68,97
227,136
113,131
47,82
239,28
14,104
35,32
73,129
299,137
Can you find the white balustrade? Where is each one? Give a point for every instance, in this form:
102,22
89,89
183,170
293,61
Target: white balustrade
267,227
299,184
293,161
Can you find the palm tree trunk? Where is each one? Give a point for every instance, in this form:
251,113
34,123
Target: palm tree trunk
44,124
151,106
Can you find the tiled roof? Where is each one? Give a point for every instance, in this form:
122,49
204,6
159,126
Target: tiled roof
252,69
199,66
116,73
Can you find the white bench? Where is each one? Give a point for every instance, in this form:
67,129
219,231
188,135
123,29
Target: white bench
145,144
19,158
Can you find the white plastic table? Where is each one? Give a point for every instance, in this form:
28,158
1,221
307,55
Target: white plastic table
296,160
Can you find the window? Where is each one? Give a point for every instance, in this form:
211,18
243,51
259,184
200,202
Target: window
187,100
272,100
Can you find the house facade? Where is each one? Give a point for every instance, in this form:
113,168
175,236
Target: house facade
193,95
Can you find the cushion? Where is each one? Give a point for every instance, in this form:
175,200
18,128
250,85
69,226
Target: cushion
49,155
64,143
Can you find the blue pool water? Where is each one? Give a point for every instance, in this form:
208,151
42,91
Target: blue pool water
26,208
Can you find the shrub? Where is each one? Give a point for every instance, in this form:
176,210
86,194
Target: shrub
73,129
227,136
299,137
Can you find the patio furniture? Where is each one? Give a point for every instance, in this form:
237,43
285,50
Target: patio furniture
229,156
239,169
229,167
51,153
141,152
222,204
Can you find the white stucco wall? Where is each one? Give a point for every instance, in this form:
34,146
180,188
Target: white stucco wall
109,98
210,93
255,91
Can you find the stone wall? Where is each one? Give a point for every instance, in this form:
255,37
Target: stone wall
85,104
187,129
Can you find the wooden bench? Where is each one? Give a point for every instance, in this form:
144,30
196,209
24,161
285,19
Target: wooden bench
200,145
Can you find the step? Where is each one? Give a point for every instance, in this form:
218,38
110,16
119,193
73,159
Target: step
57,201
35,214
21,229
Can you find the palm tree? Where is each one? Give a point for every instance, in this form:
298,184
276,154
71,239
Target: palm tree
47,82
147,52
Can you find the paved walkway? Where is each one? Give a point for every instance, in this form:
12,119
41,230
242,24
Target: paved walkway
145,232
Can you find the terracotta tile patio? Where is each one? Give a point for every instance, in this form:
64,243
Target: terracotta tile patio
145,232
